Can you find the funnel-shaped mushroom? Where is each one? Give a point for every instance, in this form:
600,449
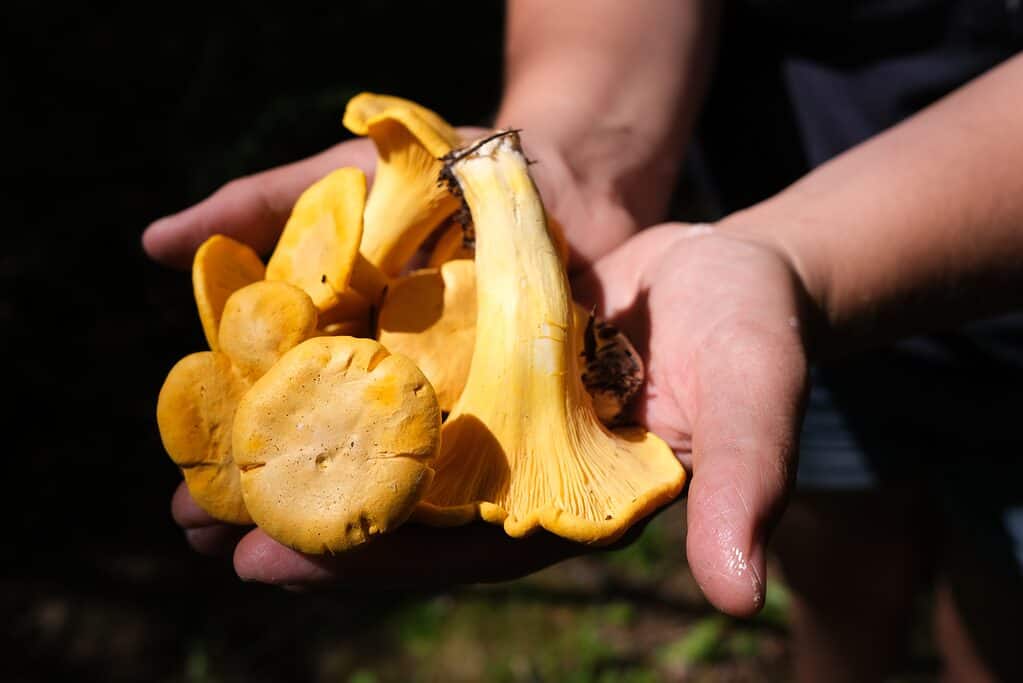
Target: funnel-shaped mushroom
429,315
523,446
405,203
319,248
221,266
196,407
335,443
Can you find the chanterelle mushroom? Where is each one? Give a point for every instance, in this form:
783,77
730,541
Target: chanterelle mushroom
221,267
319,248
405,203
429,315
523,446
335,443
196,407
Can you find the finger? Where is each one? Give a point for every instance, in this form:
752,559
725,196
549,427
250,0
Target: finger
218,540
205,534
411,557
251,209
747,403
186,511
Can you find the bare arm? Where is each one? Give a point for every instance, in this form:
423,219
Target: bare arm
613,89
918,228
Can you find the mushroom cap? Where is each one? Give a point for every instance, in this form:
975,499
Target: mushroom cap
220,267
429,316
263,320
406,203
433,132
195,412
319,247
335,443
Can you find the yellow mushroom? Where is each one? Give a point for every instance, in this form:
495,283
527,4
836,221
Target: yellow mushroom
318,250
405,203
262,322
429,315
523,446
221,266
335,443
196,407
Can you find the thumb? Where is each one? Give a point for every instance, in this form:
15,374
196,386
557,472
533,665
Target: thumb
251,209
747,404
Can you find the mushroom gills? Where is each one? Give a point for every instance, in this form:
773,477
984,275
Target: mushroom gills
523,446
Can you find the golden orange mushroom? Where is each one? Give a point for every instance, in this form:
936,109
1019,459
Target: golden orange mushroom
318,250
335,443
405,203
221,267
523,446
429,315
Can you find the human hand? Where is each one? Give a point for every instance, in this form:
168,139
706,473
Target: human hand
719,320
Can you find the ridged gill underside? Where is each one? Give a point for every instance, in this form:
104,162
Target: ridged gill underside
523,447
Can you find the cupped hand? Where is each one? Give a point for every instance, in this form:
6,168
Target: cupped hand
719,318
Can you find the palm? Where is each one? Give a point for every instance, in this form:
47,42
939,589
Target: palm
717,319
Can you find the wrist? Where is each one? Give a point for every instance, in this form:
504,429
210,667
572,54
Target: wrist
615,164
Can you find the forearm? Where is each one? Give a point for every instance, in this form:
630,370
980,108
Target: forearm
615,86
919,228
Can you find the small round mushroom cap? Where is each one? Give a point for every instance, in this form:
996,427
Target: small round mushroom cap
263,320
221,267
195,412
335,443
429,315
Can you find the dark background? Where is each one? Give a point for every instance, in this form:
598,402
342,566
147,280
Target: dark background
114,117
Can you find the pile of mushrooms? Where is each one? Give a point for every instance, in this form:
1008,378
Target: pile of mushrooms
345,393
